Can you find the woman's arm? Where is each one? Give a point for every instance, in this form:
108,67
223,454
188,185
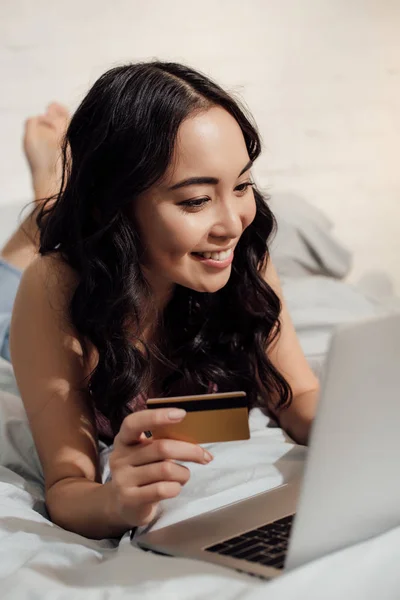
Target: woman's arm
288,358
48,365
50,372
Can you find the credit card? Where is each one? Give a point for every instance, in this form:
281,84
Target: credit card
219,417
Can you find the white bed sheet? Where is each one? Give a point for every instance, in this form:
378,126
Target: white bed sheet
39,560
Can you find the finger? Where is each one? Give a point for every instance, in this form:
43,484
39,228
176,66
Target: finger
147,474
160,450
145,514
144,439
134,498
146,420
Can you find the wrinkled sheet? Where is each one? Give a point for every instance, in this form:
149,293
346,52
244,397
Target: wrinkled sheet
39,560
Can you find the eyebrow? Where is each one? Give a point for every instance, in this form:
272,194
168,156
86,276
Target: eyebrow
205,180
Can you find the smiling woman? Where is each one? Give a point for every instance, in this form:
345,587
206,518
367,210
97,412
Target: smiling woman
153,279
193,224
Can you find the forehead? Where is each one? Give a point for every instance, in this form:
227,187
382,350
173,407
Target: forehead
209,143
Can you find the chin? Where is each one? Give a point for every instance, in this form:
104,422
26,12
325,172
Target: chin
209,287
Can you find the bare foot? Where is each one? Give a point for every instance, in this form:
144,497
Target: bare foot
42,146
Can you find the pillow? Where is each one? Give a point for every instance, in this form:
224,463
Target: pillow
304,244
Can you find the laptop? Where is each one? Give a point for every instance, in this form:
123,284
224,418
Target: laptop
350,490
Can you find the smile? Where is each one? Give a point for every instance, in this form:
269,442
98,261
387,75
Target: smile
223,255
218,260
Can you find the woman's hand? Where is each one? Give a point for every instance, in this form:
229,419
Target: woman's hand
143,470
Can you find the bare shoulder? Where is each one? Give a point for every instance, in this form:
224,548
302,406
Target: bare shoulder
45,292
40,318
51,276
269,274
286,353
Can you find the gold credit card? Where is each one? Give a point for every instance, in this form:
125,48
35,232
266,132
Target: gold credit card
220,417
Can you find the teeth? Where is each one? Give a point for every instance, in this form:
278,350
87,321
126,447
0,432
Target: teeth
217,255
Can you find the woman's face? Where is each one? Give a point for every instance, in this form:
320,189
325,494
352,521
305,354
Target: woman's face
191,222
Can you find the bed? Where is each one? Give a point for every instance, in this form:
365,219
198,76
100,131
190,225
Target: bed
40,560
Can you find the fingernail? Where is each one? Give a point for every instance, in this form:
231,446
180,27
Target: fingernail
176,414
207,456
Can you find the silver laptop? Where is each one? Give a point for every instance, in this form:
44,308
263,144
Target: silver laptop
351,488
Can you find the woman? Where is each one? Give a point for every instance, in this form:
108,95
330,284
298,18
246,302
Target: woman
152,279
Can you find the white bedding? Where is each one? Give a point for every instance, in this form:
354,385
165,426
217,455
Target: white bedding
39,560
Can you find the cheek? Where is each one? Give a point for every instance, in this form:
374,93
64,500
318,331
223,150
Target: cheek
250,212
173,236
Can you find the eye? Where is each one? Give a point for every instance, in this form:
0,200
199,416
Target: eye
194,204
243,187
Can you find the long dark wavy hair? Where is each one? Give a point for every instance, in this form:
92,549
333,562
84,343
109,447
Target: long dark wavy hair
120,142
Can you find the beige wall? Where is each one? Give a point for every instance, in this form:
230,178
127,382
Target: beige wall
322,78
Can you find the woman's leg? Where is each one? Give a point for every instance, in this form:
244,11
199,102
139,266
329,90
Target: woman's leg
42,145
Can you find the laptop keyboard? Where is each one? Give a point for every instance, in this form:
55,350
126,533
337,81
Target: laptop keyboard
266,545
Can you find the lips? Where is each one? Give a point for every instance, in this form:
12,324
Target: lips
219,256
224,260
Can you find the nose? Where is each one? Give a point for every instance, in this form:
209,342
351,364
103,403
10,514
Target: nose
228,220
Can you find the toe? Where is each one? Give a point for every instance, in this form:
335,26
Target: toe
57,110
46,121
31,125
